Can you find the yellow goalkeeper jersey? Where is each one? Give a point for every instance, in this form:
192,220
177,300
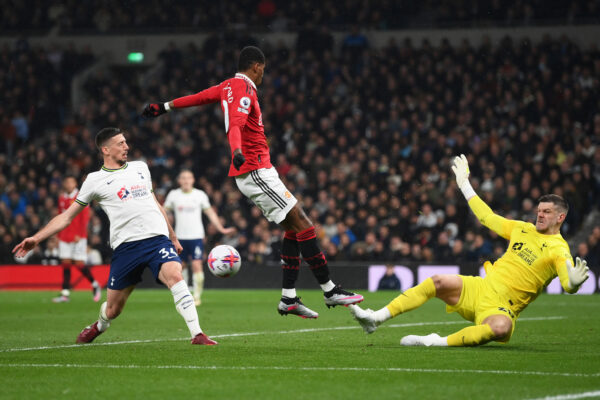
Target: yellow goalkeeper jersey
531,261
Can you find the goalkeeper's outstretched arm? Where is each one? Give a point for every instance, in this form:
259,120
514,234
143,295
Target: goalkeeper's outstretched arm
482,211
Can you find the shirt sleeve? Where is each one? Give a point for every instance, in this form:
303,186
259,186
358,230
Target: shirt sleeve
207,96
204,201
502,226
236,109
148,176
559,259
169,203
86,193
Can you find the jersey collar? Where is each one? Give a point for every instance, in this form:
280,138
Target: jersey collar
114,169
245,77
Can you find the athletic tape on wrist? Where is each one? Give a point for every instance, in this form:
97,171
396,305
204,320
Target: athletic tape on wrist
467,190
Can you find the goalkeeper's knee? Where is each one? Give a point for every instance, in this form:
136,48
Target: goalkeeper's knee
501,326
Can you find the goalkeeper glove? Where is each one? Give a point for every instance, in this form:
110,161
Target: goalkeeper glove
577,274
460,167
153,110
238,159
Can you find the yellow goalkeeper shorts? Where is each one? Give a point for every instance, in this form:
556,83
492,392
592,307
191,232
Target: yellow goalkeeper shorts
478,300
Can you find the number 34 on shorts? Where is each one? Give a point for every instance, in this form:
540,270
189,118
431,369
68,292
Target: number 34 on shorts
168,253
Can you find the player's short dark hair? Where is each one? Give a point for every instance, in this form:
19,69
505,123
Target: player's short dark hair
185,170
105,134
556,200
249,56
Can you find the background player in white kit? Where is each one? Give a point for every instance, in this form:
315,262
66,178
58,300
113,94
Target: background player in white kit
187,204
140,235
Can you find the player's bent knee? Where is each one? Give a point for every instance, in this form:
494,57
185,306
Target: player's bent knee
502,327
446,282
438,282
170,273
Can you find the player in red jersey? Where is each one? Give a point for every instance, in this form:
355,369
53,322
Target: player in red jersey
257,179
72,243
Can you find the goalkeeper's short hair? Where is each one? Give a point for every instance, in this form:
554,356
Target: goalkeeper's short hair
556,200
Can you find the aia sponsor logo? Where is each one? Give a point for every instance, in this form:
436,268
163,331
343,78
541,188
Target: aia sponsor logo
123,193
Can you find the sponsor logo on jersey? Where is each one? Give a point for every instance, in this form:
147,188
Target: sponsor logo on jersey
123,193
139,191
186,208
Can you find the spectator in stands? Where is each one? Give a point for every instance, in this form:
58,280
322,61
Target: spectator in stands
389,281
403,132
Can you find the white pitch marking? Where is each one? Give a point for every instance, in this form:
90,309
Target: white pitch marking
294,368
583,395
308,330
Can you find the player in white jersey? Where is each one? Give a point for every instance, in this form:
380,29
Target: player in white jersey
140,235
187,204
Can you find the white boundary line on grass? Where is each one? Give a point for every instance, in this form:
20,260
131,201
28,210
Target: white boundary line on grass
241,334
294,368
572,396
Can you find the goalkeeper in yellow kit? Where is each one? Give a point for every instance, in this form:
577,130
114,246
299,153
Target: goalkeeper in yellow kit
536,254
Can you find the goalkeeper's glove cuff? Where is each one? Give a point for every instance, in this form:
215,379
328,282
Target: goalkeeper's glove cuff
467,190
167,106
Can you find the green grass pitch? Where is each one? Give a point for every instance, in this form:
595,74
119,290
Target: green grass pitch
146,353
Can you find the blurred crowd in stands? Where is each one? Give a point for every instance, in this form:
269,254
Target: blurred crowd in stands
71,16
363,137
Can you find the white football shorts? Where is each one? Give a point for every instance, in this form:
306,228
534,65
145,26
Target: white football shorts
74,251
266,190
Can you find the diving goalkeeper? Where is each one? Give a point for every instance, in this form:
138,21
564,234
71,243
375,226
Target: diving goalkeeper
536,254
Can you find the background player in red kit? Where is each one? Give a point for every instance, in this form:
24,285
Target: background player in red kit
72,243
257,179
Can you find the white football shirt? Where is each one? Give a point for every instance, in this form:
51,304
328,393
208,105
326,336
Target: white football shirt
125,195
187,208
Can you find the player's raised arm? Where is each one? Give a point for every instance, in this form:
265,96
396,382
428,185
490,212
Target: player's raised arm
56,224
502,226
207,96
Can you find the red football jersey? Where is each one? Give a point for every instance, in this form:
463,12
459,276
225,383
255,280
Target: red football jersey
243,119
77,227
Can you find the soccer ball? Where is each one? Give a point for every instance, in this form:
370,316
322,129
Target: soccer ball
224,261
